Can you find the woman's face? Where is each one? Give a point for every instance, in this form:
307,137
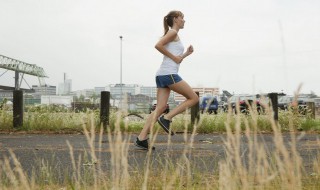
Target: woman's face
179,21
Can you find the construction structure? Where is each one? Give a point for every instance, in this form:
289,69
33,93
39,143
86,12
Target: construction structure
20,68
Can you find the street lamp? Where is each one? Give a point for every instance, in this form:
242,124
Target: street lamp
120,72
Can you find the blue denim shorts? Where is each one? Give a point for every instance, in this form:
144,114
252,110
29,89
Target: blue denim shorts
163,81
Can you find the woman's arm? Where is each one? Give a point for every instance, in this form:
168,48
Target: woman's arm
169,37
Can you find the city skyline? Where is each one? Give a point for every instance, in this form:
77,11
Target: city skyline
58,85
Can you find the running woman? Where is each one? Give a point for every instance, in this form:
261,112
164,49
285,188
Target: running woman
167,78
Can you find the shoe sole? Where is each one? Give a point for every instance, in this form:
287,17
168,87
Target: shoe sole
142,147
165,128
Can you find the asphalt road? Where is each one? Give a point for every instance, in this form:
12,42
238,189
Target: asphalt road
34,149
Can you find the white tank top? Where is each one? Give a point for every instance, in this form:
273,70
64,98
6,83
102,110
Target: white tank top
168,66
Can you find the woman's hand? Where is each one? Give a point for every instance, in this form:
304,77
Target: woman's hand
189,50
187,53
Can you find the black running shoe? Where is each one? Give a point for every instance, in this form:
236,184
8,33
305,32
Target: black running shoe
143,144
165,124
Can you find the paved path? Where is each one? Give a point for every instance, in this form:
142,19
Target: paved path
207,150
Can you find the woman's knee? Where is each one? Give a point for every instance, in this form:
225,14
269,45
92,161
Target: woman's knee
194,99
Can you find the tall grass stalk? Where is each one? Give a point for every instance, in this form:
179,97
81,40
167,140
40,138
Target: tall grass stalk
255,166
285,171
149,156
119,158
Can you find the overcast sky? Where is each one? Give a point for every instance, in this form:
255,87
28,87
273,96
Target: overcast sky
243,46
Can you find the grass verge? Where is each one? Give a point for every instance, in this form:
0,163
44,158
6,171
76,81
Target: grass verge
255,167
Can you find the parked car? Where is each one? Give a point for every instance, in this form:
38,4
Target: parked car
284,102
243,100
154,105
209,104
287,102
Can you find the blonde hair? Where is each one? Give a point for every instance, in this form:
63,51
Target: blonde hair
168,20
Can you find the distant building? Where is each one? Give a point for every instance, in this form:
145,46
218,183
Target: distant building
134,89
202,92
149,91
6,94
139,102
98,90
40,90
65,87
57,100
87,93
138,99
116,89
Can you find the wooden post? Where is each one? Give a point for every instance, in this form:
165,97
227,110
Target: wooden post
17,108
311,107
104,108
195,114
274,102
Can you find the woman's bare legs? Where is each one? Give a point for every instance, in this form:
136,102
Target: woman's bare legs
163,94
184,89
162,100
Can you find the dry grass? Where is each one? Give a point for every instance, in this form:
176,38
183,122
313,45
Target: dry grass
256,167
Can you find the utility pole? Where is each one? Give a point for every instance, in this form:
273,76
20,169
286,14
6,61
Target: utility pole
284,55
120,72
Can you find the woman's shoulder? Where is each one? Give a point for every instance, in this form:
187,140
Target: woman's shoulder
173,34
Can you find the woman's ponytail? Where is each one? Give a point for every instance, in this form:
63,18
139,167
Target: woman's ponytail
168,20
165,25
